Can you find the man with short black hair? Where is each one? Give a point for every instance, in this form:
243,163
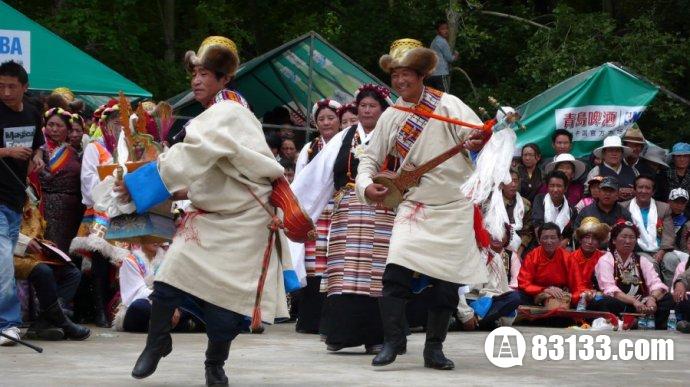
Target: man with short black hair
606,207
562,142
440,77
21,138
553,207
653,218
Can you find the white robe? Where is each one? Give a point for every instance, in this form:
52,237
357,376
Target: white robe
218,255
433,232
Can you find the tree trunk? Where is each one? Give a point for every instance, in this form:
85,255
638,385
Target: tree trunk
169,29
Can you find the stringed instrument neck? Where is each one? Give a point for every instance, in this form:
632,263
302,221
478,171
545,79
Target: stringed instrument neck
436,161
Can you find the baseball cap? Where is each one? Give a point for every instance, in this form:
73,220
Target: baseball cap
678,193
609,182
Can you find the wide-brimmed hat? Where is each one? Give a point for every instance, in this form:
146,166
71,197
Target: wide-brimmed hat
567,158
656,155
634,135
612,142
216,53
409,53
679,149
592,225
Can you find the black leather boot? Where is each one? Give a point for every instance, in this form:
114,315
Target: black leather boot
436,330
42,329
98,298
56,316
394,341
158,341
216,355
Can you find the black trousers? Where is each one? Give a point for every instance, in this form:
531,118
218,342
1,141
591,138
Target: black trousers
610,304
52,282
221,324
397,282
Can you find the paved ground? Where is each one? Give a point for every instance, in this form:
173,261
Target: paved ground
280,356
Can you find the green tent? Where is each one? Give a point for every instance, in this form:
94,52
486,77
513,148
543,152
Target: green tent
53,62
285,75
599,102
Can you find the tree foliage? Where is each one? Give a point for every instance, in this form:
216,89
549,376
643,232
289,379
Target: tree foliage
510,59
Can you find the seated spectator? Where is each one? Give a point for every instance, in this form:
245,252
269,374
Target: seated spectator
678,201
655,225
606,207
681,285
678,176
634,139
552,207
549,275
591,235
593,194
136,285
55,284
530,174
612,153
483,306
655,159
518,211
52,275
288,151
573,170
629,283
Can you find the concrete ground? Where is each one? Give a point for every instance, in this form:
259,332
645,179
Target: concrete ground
280,357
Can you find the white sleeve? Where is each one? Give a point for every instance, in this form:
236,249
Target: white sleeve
132,284
89,174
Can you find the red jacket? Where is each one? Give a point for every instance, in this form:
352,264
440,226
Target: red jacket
539,272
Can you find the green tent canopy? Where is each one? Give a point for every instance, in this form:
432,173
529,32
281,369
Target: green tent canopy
286,76
53,62
599,102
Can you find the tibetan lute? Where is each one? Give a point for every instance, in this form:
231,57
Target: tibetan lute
408,176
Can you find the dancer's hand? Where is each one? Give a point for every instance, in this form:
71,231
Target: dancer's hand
121,188
376,192
475,141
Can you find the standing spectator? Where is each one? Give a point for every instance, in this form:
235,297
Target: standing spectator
288,151
634,139
530,174
612,152
606,207
76,134
655,158
21,141
553,207
348,115
60,181
440,77
562,142
678,176
656,240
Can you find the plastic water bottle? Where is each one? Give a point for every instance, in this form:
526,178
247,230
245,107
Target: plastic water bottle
582,304
671,325
642,323
651,325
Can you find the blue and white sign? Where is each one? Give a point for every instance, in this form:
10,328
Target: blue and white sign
16,45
